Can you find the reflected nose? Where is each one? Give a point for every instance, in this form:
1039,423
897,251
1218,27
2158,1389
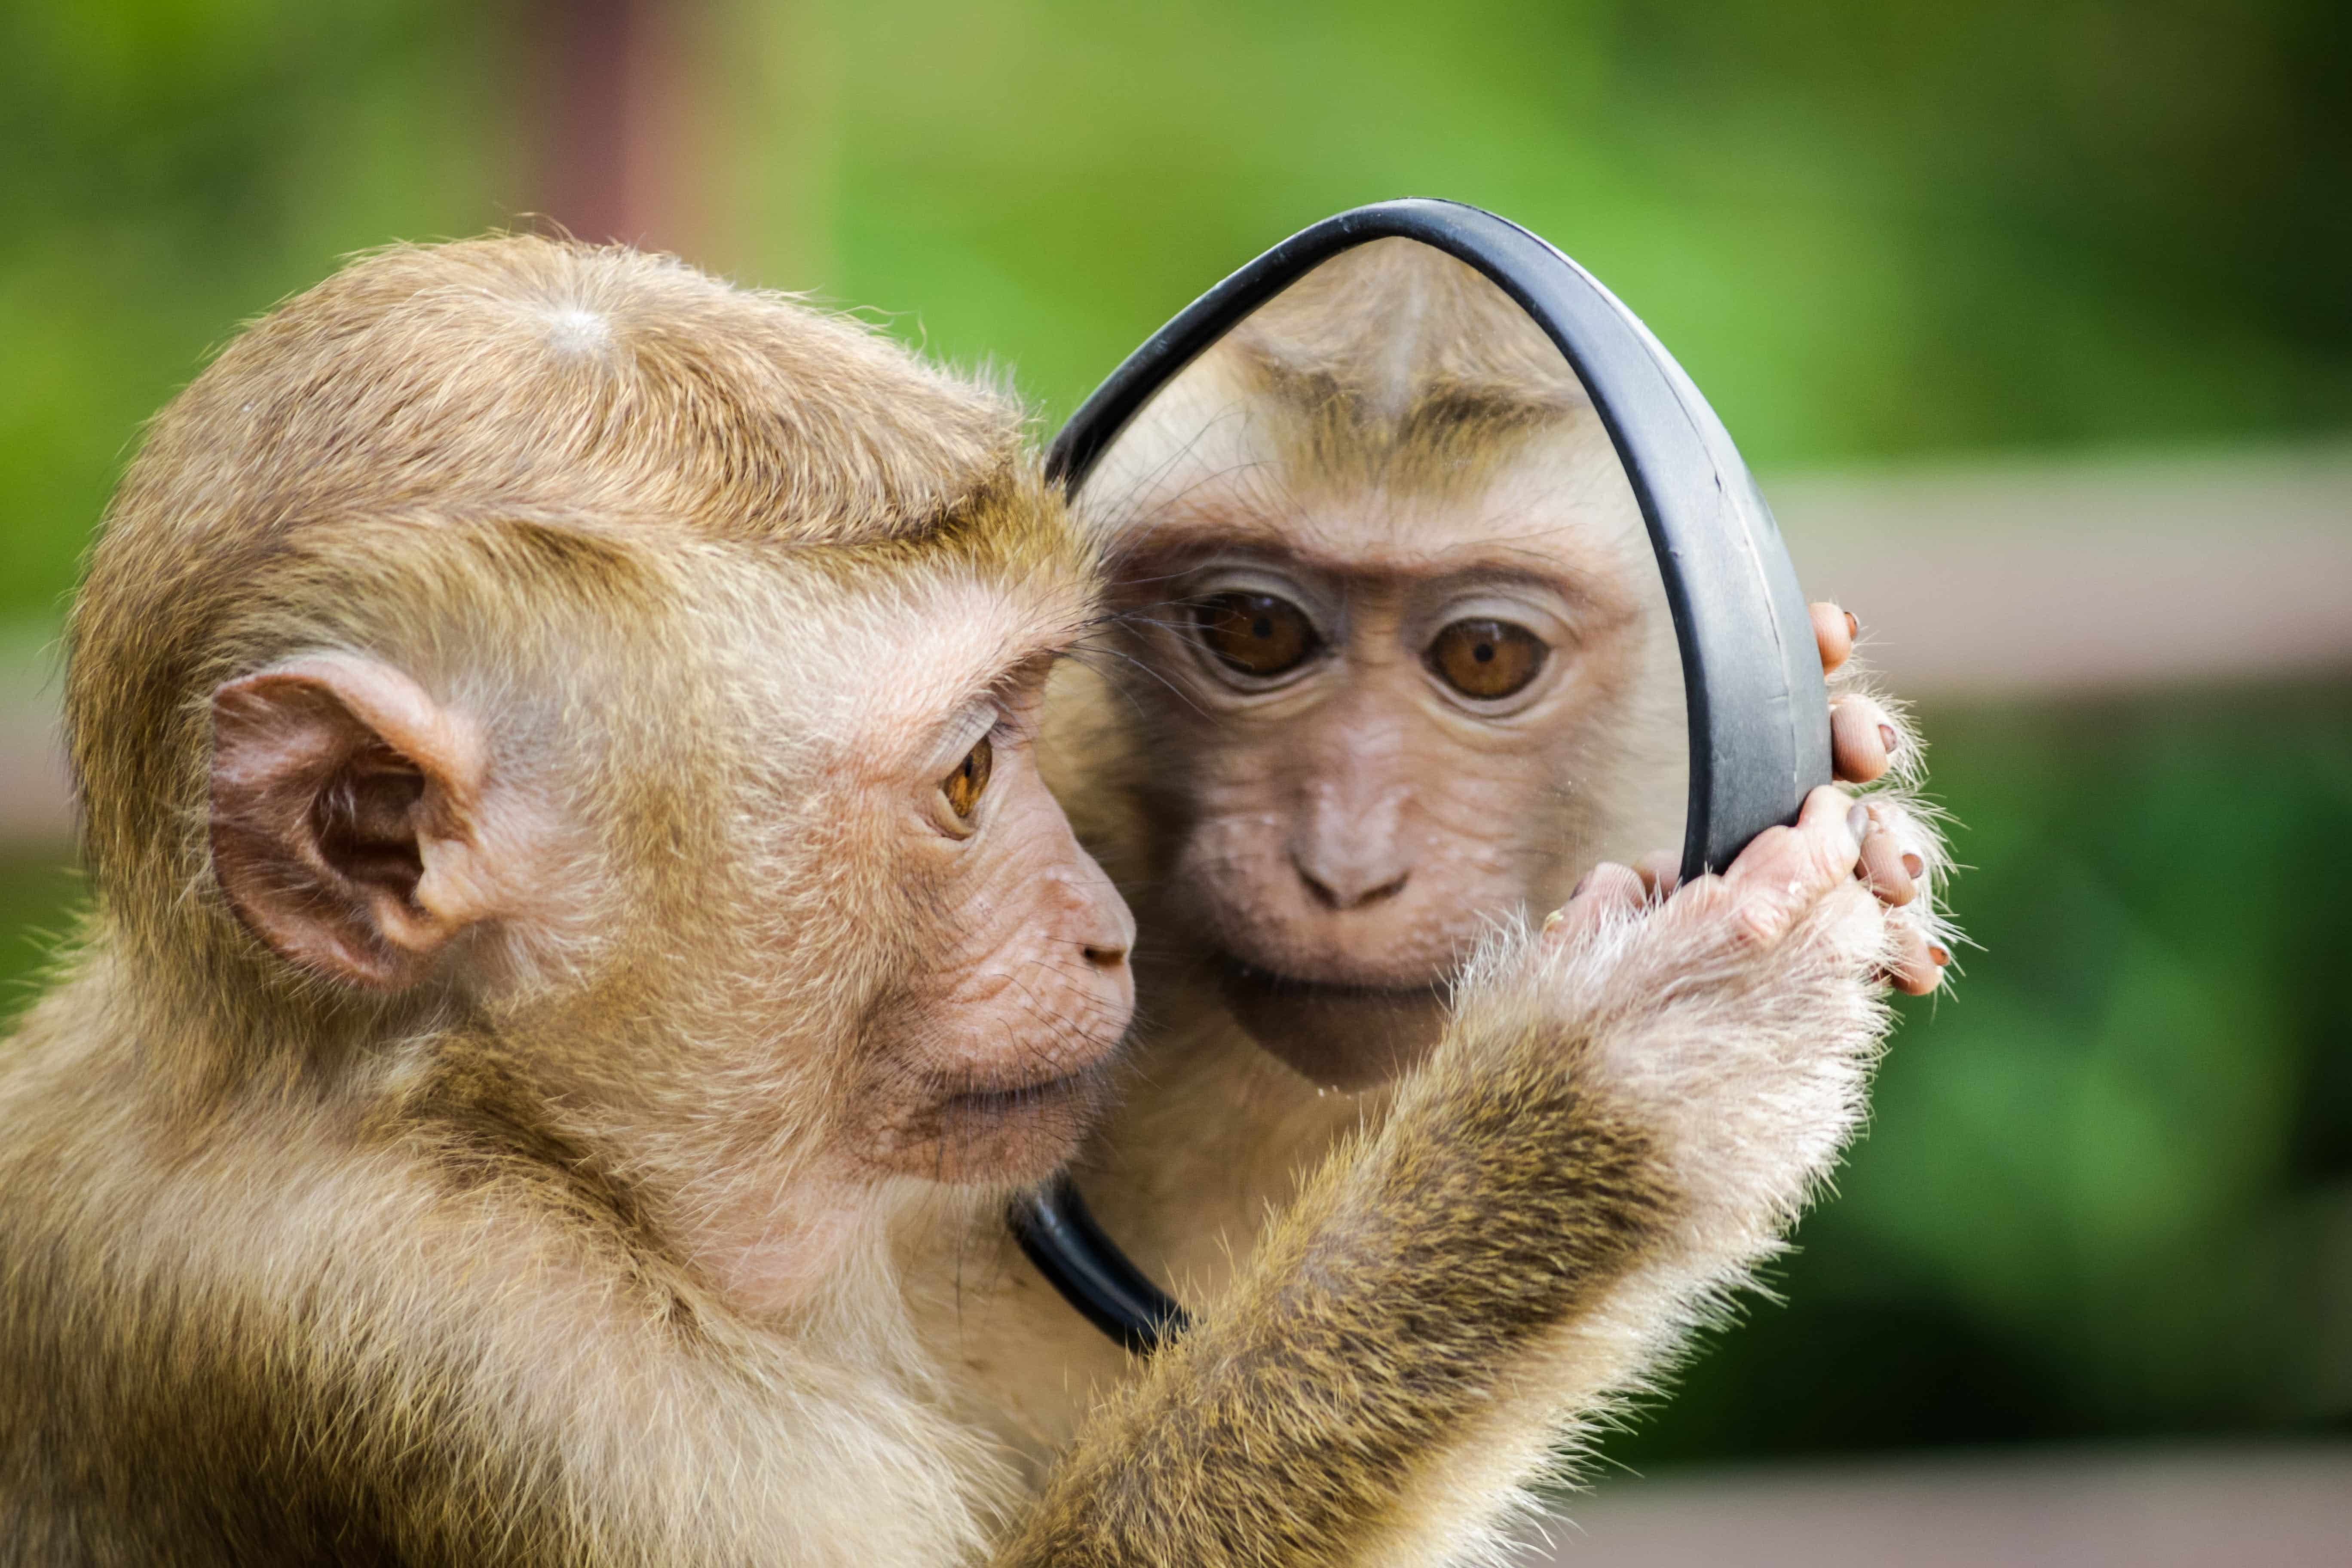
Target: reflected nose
1335,891
1350,853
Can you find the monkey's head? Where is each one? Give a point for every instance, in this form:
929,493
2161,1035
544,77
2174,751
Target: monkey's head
1398,644
551,657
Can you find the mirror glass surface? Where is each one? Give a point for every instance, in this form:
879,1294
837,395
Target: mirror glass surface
1391,660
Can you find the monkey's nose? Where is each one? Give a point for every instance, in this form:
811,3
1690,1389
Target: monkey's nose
1350,843
1339,892
1106,926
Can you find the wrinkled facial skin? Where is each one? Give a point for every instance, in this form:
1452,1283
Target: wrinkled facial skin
988,1060
1354,787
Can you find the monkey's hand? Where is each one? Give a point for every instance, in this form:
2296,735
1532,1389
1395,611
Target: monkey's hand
1736,1020
1873,744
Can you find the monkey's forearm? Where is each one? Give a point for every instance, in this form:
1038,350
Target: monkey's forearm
1593,1153
1366,1332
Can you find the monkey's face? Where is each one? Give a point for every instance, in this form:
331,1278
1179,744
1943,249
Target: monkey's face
1382,730
794,881
988,1058
1000,986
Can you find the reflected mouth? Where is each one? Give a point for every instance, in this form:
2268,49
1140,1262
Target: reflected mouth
1337,1035
1242,974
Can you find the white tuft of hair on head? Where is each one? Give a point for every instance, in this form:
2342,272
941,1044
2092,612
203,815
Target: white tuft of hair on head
577,331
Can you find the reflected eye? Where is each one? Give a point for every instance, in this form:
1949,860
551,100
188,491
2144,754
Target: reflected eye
964,786
1255,634
1486,659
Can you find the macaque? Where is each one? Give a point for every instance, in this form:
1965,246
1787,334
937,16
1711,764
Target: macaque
578,921
1393,668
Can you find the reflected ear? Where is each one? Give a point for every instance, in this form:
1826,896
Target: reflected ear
345,818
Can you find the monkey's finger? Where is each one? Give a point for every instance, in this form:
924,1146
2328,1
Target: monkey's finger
1862,740
1917,967
1786,870
1608,889
1884,868
1826,811
1834,630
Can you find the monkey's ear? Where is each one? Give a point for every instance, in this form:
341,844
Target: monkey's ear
346,808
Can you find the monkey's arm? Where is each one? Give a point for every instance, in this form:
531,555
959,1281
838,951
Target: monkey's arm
1627,1111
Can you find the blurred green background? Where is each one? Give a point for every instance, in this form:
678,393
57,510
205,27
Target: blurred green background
2109,1186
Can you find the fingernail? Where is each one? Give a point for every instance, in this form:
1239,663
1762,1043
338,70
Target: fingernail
1937,952
1857,821
1913,865
1887,735
1553,919
1852,626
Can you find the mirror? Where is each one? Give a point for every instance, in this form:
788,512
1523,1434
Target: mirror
1387,617
1434,582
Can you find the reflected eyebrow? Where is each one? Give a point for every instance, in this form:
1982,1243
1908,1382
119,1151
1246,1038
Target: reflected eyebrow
1270,545
1452,434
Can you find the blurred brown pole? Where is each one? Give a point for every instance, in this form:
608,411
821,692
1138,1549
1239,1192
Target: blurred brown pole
615,153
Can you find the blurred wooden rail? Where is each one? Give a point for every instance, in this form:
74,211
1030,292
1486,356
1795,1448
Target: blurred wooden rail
2209,1506
2027,580
1986,582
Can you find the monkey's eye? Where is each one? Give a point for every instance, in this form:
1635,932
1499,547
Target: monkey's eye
1256,634
964,786
1486,659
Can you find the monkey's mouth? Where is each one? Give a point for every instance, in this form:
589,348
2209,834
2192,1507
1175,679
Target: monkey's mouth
999,1103
1340,1037
1019,1131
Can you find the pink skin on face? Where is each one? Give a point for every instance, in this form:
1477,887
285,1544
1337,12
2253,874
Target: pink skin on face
999,1056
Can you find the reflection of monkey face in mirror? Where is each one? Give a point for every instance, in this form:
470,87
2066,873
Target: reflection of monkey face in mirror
1399,645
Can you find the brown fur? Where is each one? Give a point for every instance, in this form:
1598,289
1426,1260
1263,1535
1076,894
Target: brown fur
1470,1286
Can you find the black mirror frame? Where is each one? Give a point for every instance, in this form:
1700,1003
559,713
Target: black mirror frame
1751,673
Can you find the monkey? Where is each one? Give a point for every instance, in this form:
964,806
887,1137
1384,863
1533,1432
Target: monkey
574,892
1393,662
553,733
